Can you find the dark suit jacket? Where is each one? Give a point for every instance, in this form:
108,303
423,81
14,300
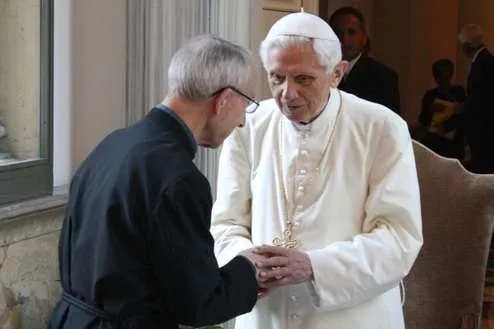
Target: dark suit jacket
135,244
479,106
374,82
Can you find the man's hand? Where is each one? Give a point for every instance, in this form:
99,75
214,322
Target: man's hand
282,266
257,259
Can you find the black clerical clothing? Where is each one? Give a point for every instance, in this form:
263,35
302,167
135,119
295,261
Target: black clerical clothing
135,249
373,81
479,109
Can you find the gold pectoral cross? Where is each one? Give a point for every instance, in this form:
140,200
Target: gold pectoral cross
286,241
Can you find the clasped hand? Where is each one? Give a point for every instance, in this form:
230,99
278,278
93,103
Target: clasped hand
278,266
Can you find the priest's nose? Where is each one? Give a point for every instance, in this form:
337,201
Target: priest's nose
289,91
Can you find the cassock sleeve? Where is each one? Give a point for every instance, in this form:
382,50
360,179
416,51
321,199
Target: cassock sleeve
348,273
231,226
196,290
390,91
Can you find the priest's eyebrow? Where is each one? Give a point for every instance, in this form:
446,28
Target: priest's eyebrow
296,76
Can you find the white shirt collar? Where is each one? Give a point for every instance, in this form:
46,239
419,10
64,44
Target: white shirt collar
477,54
351,64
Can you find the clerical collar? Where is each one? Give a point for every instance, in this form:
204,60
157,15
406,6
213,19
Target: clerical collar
477,54
182,123
327,115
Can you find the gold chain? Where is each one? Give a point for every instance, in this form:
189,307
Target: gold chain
287,239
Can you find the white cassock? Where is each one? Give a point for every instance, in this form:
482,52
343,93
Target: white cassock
348,184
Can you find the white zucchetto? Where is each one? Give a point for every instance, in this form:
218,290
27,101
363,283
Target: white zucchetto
302,24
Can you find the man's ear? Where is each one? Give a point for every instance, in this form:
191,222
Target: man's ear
220,101
338,73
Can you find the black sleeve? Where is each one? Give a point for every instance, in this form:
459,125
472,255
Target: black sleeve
394,93
197,292
385,88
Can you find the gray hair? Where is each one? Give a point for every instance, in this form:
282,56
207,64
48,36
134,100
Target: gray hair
472,34
205,64
327,51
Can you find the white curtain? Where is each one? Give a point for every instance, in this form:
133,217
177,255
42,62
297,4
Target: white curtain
157,28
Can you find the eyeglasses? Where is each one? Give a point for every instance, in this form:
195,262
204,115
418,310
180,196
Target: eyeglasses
252,104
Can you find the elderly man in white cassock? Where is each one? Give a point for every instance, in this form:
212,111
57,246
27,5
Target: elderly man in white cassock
324,181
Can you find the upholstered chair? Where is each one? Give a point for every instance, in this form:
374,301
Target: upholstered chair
444,289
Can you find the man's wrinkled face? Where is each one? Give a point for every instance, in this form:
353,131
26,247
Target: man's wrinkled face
298,82
228,112
351,35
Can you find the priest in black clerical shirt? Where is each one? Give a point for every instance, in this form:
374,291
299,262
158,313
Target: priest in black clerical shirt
135,249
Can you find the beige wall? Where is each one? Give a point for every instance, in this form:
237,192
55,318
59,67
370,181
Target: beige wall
98,57
393,50
89,74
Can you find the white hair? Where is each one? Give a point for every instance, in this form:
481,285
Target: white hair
327,51
206,64
471,34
